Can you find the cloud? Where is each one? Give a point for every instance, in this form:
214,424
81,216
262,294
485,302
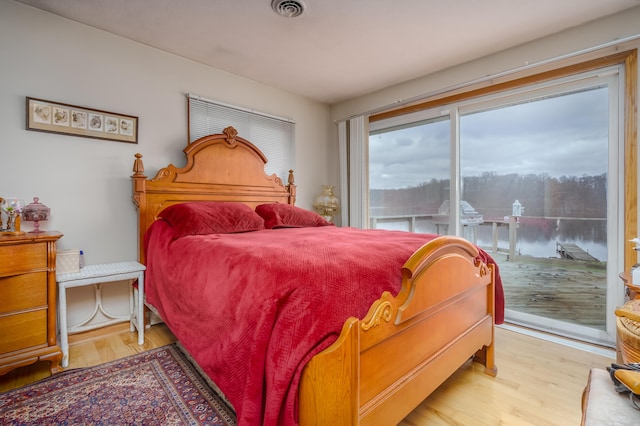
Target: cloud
561,135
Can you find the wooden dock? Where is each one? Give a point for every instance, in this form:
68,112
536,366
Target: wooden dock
573,252
560,289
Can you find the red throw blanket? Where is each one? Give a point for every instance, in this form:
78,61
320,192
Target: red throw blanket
246,306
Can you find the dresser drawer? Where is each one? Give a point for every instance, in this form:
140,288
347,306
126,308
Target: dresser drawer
24,291
19,258
23,331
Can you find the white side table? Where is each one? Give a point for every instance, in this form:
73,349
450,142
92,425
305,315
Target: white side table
100,274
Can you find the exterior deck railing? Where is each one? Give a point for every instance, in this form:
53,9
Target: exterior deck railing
442,227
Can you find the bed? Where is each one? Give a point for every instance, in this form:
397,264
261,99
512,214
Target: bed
298,321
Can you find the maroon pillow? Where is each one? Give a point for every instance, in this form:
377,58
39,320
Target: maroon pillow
211,217
289,216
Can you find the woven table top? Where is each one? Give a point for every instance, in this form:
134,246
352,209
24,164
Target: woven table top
101,271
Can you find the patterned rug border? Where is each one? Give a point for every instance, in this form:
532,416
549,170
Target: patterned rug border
206,378
190,396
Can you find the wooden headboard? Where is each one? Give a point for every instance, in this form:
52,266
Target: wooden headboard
220,167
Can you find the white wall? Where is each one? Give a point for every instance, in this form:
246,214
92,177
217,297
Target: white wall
578,39
86,181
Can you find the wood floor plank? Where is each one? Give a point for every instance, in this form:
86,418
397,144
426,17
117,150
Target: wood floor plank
539,383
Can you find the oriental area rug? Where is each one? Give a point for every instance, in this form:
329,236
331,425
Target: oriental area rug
157,387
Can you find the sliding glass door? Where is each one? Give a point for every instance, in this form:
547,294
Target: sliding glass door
534,177
538,169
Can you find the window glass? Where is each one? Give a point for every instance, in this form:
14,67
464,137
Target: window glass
408,189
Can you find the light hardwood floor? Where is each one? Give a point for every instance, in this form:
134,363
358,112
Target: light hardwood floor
539,382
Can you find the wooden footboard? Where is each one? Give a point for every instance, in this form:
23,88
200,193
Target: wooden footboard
385,365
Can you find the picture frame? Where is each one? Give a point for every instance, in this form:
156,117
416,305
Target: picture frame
56,117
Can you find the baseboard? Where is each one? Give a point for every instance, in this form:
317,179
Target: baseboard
587,347
98,333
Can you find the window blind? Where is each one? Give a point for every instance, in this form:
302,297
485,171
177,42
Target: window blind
274,136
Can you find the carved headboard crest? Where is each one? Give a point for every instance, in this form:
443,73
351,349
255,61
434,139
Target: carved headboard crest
231,133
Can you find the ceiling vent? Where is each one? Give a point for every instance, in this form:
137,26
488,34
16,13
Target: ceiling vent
289,8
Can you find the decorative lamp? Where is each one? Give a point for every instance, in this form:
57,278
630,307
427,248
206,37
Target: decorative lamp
35,212
326,203
12,207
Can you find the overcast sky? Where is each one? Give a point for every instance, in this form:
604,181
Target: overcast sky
565,135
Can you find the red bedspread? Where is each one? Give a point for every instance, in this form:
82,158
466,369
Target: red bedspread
253,308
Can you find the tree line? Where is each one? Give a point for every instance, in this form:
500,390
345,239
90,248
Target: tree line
493,195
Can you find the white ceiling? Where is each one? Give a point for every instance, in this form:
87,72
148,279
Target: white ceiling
338,49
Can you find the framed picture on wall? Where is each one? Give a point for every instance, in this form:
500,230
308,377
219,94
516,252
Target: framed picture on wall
56,117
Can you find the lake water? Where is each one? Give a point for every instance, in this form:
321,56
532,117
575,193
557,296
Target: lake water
535,237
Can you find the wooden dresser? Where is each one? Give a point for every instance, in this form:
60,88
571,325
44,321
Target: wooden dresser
28,301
